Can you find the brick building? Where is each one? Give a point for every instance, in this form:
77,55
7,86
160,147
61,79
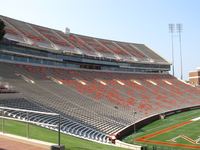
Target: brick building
194,77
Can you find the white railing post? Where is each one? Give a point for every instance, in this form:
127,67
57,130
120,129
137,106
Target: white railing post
27,133
59,119
2,121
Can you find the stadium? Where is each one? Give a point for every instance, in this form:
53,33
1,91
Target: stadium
108,92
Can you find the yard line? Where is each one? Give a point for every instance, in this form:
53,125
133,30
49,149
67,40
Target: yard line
196,119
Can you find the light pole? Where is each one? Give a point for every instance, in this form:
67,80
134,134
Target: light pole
179,28
171,30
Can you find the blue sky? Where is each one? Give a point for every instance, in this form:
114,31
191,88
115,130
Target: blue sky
137,21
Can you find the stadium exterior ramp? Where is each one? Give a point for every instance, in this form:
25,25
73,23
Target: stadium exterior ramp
97,85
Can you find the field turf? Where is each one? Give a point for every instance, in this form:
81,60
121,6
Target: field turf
177,132
70,142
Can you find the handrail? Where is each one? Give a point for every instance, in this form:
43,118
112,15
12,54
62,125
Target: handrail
2,109
31,111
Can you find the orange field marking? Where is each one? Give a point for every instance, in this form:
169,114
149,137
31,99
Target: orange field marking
146,138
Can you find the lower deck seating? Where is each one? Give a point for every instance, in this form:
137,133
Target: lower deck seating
95,103
4,88
16,100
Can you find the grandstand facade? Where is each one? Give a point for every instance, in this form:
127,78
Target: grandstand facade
40,45
100,87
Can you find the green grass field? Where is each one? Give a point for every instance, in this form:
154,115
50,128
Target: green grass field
70,142
191,131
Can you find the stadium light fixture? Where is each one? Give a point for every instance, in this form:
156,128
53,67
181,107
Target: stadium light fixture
179,28
171,30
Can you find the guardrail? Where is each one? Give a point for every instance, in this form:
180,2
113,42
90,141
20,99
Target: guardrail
3,116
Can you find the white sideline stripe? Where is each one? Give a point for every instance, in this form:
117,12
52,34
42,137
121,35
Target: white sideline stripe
196,119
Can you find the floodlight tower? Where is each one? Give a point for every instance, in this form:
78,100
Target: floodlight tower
171,30
179,28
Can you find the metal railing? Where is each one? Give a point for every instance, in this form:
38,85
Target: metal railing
3,116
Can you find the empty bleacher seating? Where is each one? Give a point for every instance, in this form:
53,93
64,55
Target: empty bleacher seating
47,38
95,103
133,51
92,42
115,49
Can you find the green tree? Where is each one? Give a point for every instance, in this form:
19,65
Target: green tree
2,31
